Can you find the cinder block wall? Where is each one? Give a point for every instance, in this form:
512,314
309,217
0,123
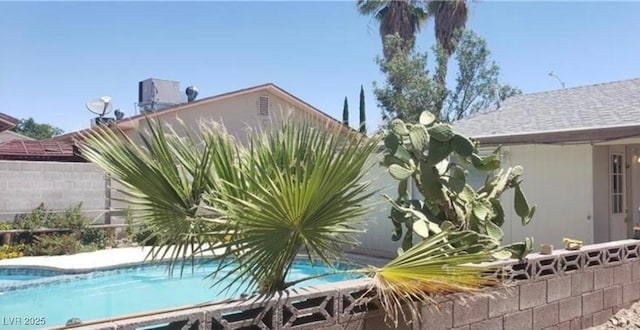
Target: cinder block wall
26,184
577,300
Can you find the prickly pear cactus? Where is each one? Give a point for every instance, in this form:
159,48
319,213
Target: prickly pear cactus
432,155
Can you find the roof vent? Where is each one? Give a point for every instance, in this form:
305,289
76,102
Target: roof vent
263,106
119,114
192,93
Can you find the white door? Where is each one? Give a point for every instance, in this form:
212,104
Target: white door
617,194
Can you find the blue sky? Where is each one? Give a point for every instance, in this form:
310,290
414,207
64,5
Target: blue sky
56,56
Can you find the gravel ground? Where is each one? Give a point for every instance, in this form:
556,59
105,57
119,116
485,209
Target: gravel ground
624,319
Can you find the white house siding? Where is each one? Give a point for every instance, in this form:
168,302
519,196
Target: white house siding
377,238
558,178
600,194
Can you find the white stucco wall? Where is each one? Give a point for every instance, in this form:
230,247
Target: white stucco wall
377,238
559,180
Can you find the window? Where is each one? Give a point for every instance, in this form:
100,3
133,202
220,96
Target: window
263,106
617,184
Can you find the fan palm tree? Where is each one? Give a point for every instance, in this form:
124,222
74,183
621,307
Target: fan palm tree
450,17
402,17
298,189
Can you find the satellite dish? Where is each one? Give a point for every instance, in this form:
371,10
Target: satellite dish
100,106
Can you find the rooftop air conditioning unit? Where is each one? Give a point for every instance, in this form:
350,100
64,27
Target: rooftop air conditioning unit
158,94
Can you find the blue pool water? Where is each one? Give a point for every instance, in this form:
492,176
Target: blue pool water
17,279
105,294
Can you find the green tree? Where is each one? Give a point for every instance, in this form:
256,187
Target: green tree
363,114
345,112
401,17
477,85
410,88
29,127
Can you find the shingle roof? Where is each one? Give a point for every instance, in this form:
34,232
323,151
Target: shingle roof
594,106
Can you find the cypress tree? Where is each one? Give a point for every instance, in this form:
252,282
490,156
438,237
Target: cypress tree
363,119
345,113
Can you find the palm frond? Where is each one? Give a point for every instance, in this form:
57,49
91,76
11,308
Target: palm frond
306,194
370,7
432,267
163,181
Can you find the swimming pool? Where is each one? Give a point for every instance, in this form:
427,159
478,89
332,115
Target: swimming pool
54,299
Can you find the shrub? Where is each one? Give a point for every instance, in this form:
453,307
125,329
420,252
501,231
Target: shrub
128,219
39,217
6,226
72,217
10,251
96,237
53,244
144,237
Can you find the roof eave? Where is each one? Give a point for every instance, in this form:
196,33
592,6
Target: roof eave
134,121
584,135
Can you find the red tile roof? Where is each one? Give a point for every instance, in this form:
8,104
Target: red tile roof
45,150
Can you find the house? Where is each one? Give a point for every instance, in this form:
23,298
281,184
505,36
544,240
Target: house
14,146
253,107
6,123
580,148
250,108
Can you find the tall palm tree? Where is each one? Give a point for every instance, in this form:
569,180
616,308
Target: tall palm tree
450,17
402,17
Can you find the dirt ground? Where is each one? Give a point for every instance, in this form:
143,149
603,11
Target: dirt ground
624,319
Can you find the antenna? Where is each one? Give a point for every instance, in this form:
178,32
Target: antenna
552,74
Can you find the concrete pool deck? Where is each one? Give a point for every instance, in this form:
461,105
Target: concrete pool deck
83,261
107,258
